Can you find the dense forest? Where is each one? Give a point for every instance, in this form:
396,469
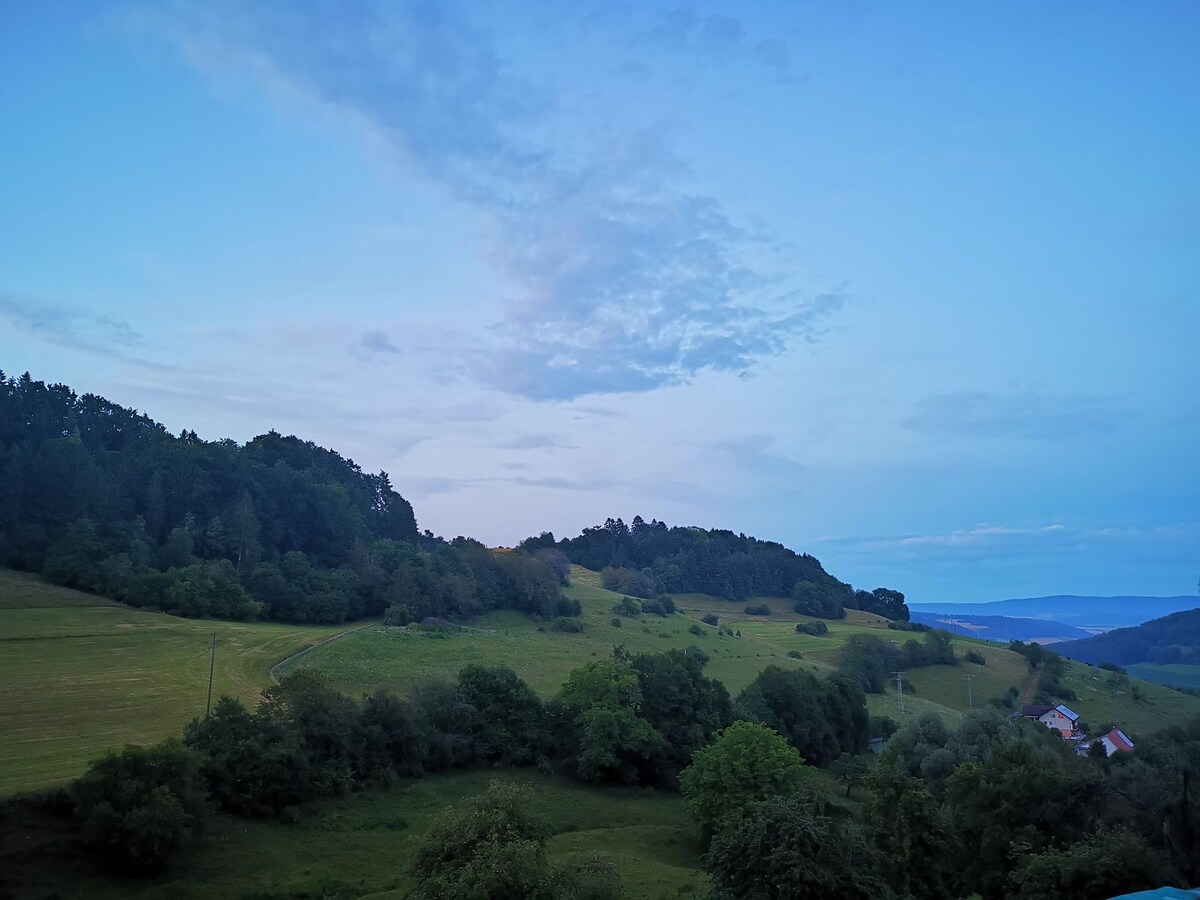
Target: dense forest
1173,639
646,559
103,498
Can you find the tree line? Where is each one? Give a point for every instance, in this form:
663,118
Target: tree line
102,498
646,559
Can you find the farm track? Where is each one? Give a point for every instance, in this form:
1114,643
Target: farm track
273,674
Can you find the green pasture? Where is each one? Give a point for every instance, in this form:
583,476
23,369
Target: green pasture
361,846
80,675
397,658
1174,675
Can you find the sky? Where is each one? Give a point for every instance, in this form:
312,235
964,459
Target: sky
914,287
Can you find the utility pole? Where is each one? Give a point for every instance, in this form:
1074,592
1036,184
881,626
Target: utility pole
900,691
970,699
212,665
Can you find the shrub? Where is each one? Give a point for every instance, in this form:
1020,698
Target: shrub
696,630
760,609
140,807
628,607
816,629
794,654
615,621
399,614
973,656
711,619
571,626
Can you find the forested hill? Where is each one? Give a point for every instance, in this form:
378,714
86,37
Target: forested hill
100,497
1173,639
649,558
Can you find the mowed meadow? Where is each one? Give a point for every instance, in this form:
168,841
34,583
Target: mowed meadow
80,675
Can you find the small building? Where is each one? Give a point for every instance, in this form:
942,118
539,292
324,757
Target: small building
1116,741
1059,718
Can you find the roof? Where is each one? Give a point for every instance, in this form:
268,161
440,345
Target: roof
1035,710
1119,739
1066,712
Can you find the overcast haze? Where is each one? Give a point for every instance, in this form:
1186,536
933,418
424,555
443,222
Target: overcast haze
912,287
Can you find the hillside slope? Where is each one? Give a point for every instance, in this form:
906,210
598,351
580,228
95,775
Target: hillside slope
1171,640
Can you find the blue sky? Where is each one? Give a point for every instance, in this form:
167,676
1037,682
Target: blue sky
912,287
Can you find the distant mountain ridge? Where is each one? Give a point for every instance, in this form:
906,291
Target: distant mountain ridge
1002,628
1171,640
1079,611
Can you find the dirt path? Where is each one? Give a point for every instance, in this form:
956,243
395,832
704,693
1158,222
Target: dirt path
274,673
1028,689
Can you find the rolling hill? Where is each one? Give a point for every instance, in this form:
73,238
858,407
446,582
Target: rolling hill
1171,640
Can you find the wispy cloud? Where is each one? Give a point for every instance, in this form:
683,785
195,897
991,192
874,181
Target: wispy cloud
624,281
373,343
1031,414
102,335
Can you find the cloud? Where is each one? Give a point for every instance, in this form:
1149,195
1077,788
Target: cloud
1028,414
536,442
623,281
715,38
74,328
373,343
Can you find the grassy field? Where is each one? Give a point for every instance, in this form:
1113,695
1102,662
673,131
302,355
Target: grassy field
80,675
1179,676
361,846
396,658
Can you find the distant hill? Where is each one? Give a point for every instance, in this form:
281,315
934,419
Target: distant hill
1171,640
1002,628
1082,612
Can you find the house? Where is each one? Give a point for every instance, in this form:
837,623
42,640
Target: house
1058,717
1116,741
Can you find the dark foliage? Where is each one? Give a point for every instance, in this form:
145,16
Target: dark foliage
795,846
870,660
822,718
645,559
140,807
102,498
816,629
1173,639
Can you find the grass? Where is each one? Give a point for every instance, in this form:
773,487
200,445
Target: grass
1099,703
361,846
396,658
82,675
1174,675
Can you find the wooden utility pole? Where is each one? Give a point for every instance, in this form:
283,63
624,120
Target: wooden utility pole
212,665
970,699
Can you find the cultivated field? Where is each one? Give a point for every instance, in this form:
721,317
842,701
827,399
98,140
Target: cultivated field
80,675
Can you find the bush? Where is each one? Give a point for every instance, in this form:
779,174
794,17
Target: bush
629,608
615,621
398,614
696,630
140,807
571,626
662,606
760,609
816,629
711,619
973,656
794,654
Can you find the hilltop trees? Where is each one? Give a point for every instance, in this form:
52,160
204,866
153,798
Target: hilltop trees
645,559
102,498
